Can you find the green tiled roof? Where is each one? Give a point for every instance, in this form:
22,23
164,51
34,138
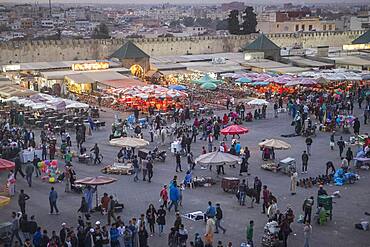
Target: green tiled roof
363,39
261,43
129,50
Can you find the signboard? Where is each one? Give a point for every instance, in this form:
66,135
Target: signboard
253,56
11,67
355,47
90,66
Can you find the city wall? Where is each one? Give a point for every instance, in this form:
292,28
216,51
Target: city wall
58,50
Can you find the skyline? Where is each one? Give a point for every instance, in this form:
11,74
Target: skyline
184,2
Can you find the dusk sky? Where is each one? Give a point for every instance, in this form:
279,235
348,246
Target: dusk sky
184,1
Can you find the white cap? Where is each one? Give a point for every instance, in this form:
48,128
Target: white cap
64,224
97,223
91,230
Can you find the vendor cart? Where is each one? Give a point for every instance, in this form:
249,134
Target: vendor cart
142,153
230,184
270,237
327,204
287,166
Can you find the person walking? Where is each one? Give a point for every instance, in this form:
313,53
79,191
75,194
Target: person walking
111,208
150,216
161,219
22,198
29,172
164,196
356,126
144,168
332,140
135,164
242,193
304,162
96,152
53,196
15,228
18,167
178,161
210,229
293,183
257,187
174,196
349,155
266,199
308,145
307,231
307,209
149,167
250,233
35,163
341,144
219,216
210,212
143,236
114,236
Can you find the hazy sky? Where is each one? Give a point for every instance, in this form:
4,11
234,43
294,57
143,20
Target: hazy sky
184,1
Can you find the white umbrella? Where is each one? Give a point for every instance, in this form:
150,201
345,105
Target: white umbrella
258,102
217,158
128,142
274,143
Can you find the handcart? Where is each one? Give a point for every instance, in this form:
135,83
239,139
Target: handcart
230,184
287,166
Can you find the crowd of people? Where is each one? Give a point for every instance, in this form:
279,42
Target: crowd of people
324,106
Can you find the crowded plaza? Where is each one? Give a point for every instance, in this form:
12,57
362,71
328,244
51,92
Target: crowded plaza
242,158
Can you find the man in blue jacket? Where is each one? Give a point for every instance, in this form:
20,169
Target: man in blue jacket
53,196
174,196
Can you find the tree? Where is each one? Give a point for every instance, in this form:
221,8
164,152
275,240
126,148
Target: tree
222,24
188,21
249,21
101,32
233,22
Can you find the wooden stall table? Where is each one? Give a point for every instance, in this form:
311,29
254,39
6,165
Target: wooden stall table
230,184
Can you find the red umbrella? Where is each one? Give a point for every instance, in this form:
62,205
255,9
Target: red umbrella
99,180
234,130
6,165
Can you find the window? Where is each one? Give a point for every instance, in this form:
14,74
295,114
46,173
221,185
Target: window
330,27
324,28
278,25
310,27
302,27
296,27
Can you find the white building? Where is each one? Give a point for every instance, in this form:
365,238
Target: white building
194,31
47,23
360,22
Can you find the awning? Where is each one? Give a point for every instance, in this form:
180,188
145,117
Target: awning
7,91
124,83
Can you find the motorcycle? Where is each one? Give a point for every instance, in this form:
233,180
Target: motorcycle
159,155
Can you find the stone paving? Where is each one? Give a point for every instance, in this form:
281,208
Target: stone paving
348,210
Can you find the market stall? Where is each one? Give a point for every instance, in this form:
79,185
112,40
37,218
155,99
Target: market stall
151,96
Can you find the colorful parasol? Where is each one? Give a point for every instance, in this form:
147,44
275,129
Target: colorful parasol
6,165
234,130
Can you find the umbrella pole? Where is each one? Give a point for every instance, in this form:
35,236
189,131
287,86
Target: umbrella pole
97,198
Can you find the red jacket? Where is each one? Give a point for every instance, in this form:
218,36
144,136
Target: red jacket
164,194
